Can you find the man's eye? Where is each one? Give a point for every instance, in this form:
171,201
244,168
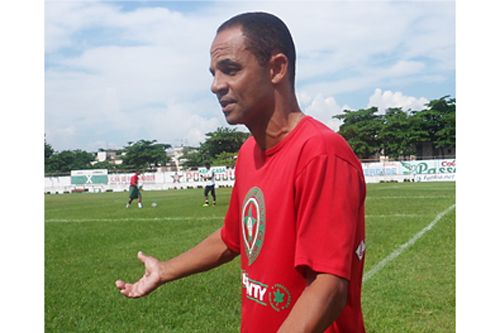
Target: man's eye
231,71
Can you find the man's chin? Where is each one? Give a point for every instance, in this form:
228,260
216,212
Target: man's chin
232,120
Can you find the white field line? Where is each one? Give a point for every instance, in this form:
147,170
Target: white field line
433,188
171,218
382,263
391,215
180,218
409,197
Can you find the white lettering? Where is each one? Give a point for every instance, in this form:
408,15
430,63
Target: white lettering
250,289
244,278
262,292
253,290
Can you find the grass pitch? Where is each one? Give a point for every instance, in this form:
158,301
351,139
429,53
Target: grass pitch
92,239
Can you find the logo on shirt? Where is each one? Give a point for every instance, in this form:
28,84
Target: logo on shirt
360,250
277,296
255,290
253,223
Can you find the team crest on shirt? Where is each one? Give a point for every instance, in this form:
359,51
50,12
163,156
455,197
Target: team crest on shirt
253,223
279,297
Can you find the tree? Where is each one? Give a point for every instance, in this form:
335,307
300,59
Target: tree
445,136
361,129
437,123
223,140
68,160
192,157
227,159
49,151
219,148
105,165
397,134
144,153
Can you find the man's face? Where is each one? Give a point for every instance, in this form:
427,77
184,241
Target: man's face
241,84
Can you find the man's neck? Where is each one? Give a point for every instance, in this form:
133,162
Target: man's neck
277,127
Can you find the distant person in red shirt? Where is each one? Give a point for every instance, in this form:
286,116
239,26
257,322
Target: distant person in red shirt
134,190
296,215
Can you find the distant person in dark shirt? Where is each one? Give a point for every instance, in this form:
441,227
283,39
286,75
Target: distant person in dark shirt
210,185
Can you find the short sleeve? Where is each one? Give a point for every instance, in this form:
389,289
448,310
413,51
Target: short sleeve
329,197
230,232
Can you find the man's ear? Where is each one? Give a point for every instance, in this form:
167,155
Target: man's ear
278,65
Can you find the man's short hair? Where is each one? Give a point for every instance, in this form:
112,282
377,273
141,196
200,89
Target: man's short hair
266,34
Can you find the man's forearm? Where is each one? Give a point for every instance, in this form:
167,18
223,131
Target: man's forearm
318,306
209,253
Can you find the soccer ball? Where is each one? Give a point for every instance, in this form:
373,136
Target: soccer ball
154,204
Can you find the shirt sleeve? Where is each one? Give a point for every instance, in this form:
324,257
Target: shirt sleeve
328,200
230,232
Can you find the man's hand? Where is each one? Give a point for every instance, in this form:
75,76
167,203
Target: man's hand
209,253
148,283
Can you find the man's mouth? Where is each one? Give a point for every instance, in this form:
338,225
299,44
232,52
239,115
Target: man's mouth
225,104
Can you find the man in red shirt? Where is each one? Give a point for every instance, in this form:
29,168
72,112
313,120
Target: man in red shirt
296,214
134,190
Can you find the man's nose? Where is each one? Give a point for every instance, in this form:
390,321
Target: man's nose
219,85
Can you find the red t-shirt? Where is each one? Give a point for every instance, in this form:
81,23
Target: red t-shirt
299,204
134,180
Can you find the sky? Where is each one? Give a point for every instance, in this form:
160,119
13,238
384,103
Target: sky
121,71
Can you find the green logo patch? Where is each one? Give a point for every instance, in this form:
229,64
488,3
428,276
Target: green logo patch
253,223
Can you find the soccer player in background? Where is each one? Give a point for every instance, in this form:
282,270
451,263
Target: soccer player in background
210,184
134,190
296,213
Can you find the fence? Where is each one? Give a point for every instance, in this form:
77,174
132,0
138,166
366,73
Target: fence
101,181
415,171
375,172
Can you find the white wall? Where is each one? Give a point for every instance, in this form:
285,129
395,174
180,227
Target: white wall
150,181
417,171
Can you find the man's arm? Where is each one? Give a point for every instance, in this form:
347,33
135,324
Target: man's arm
318,306
208,254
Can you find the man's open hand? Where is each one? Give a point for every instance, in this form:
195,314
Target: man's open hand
149,281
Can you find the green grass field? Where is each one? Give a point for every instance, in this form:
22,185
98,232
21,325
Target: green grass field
91,240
